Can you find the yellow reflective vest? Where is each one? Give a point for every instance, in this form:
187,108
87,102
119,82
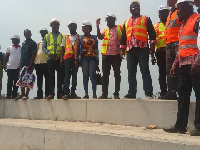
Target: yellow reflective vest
107,38
50,43
160,35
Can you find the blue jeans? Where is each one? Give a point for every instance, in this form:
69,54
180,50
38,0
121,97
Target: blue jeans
134,57
89,67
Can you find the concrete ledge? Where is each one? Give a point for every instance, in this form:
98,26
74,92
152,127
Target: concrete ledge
122,112
21,134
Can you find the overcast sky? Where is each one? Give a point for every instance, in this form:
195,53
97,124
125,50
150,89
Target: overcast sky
17,15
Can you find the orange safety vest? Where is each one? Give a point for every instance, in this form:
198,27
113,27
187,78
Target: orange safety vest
69,48
188,38
140,29
160,35
107,38
172,27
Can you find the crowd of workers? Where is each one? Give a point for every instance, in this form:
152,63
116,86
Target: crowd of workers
173,43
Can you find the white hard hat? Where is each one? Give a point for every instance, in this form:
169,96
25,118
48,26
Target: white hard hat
136,1
163,7
54,20
180,1
86,23
43,29
111,15
72,21
15,36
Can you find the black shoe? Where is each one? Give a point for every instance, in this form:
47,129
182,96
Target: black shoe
195,132
174,129
103,97
94,96
74,96
85,97
128,96
169,96
116,95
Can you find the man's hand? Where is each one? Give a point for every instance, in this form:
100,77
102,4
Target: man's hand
122,54
173,71
76,64
52,57
98,22
153,60
195,69
30,67
5,67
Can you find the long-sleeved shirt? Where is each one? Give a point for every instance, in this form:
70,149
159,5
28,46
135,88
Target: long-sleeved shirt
44,45
193,59
133,42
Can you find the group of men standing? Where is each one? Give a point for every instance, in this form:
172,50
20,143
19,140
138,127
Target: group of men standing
173,42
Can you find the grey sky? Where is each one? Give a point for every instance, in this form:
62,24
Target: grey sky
17,15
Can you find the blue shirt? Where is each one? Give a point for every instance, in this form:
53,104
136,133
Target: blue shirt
28,48
44,46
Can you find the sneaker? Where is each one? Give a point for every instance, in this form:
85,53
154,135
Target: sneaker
128,96
85,97
195,132
24,98
169,96
149,97
74,96
18,97
174,129
65,97
103,97
50,97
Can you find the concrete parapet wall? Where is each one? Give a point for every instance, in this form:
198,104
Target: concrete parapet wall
122,112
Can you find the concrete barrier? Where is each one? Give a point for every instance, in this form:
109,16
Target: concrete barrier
21,134
123,112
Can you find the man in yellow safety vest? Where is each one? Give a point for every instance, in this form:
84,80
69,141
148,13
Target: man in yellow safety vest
110,54
161,47
52,48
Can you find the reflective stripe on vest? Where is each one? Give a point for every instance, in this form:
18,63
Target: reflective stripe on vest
50,43
188,38
69,48
172,27
160,35
140,29
107,38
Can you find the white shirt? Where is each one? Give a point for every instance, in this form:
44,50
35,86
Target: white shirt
40,57
72,38
14,58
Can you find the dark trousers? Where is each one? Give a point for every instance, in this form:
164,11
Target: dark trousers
139,56
70,71
12,89
186,82
42,70
161,61
54,65
171,52
107,62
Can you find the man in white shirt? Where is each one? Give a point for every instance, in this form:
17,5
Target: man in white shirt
11,64
41,67
68,56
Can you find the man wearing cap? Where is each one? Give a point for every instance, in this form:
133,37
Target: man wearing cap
172,30
52,48
110,54
161,47
135,40
41,67
11,64
187,63
68,55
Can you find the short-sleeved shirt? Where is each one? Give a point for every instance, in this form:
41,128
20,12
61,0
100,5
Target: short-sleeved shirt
28,48
14,57
114,42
